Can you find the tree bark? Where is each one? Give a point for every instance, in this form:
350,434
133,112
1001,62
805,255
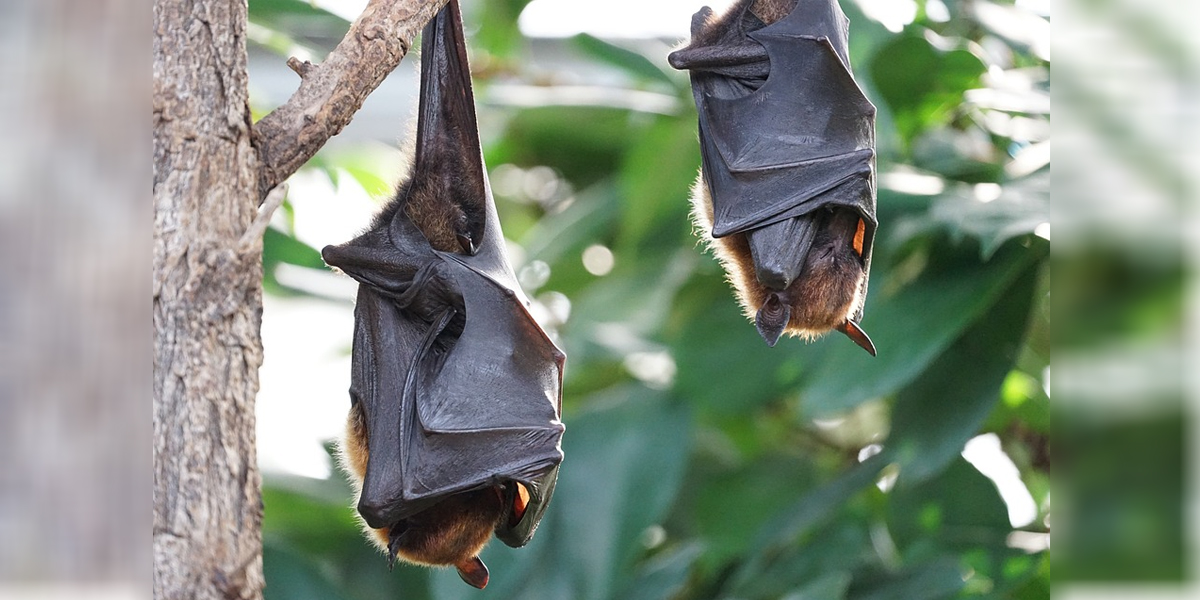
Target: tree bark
211,170
330,93
207,307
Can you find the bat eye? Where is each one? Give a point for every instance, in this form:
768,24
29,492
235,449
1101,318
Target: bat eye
520,503
859,233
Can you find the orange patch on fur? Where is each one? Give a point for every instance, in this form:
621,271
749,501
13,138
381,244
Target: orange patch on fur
859,232
520,503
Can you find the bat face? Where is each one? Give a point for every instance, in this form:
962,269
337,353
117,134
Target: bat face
454,432
787,186
452,531
803,277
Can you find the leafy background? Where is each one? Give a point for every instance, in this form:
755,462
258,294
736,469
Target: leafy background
700,463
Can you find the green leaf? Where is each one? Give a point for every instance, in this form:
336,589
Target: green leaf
945,406
714,337
832,586
497,31
795,523
1020,208
655,180
914,325
279,247
725,504
584,143
292,576
627,60
921,83
624,464
941,578
665,576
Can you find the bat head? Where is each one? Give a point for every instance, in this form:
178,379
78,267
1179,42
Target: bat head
810,273
802,276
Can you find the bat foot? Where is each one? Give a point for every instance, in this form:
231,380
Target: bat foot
858,336
772,318
395,541
473,572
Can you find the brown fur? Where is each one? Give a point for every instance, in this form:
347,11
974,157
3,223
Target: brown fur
825,295
439,220
772,10
450,532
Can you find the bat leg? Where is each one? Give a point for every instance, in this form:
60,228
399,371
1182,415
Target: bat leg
858,336
772,318
474,572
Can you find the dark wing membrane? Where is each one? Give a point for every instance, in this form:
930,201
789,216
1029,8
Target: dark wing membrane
492,409
490,412
387,342
801,134
448,156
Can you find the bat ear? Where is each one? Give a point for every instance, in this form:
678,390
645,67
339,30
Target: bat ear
772,318
857,335
448,147
474,572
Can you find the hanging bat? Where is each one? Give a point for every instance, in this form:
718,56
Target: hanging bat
454,430
787,181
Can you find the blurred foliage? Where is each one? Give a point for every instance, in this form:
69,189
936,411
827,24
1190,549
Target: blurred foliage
699,462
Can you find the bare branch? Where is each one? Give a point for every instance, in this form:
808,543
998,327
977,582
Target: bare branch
252,239
301,67
330,93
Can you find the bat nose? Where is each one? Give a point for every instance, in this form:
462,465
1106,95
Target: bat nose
773,276
376,514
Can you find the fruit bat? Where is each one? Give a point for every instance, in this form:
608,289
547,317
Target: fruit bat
454,430
787,180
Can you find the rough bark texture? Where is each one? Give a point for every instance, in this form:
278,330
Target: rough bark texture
207,307
209,177
330,93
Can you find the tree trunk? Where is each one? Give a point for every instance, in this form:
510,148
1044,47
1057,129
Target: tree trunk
207,307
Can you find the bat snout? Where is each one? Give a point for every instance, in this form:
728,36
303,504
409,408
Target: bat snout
773,276
376,514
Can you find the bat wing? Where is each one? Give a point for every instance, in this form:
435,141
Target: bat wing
803,139
460,385
493,408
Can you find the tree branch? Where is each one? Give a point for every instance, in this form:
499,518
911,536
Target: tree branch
330,93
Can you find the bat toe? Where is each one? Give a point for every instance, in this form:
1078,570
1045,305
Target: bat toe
858,336
473,572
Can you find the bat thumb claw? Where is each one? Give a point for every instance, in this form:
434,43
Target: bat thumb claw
474,572
467,244
858,336
771,319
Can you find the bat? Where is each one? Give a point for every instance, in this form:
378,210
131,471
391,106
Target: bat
454,431
786,192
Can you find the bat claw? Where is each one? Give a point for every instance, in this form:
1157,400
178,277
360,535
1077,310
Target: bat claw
771,319
467,244
394,543
473,572
858,336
